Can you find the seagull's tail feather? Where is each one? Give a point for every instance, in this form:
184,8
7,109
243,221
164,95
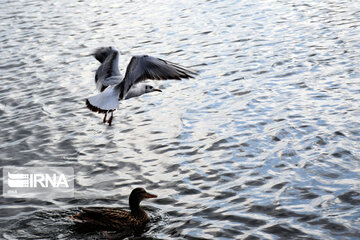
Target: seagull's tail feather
106,101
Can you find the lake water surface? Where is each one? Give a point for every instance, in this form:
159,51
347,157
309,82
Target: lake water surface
263,144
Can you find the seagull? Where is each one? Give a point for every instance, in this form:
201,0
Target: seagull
113,87
108,74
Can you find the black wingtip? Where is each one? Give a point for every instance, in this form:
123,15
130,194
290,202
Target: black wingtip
186,73
96,109
195,72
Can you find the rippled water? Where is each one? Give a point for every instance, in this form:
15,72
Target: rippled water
263,144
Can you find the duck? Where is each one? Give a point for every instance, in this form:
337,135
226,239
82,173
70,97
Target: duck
115,218
114,87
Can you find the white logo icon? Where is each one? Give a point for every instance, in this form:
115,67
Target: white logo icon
18,180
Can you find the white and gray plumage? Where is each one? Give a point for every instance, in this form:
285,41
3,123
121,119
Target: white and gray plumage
114,88
108,75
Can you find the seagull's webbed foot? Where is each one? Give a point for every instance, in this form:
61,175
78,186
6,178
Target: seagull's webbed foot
104,120
110,119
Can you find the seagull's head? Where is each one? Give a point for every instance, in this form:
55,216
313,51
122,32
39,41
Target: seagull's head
148,88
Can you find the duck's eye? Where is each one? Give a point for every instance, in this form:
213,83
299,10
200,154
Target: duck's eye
151,87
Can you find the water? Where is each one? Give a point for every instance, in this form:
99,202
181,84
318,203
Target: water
263,144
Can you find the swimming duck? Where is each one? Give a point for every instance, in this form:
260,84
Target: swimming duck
113,218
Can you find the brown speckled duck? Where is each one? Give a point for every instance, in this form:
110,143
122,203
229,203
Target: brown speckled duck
113,219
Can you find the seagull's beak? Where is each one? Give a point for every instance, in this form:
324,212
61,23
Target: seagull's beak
149,195
156,90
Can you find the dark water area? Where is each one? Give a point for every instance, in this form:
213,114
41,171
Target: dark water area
263,144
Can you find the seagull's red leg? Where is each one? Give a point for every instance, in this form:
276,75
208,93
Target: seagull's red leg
110,119
104,120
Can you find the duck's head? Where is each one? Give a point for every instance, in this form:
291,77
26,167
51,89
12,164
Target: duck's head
136,196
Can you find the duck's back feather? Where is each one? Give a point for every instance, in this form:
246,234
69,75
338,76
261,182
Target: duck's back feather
109,218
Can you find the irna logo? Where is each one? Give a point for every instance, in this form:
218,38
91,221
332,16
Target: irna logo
44,182
34,180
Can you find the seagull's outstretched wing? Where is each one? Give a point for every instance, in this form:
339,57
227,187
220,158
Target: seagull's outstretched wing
108,73
145,67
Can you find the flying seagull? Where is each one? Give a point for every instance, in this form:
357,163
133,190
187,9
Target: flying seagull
108,74
114,87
